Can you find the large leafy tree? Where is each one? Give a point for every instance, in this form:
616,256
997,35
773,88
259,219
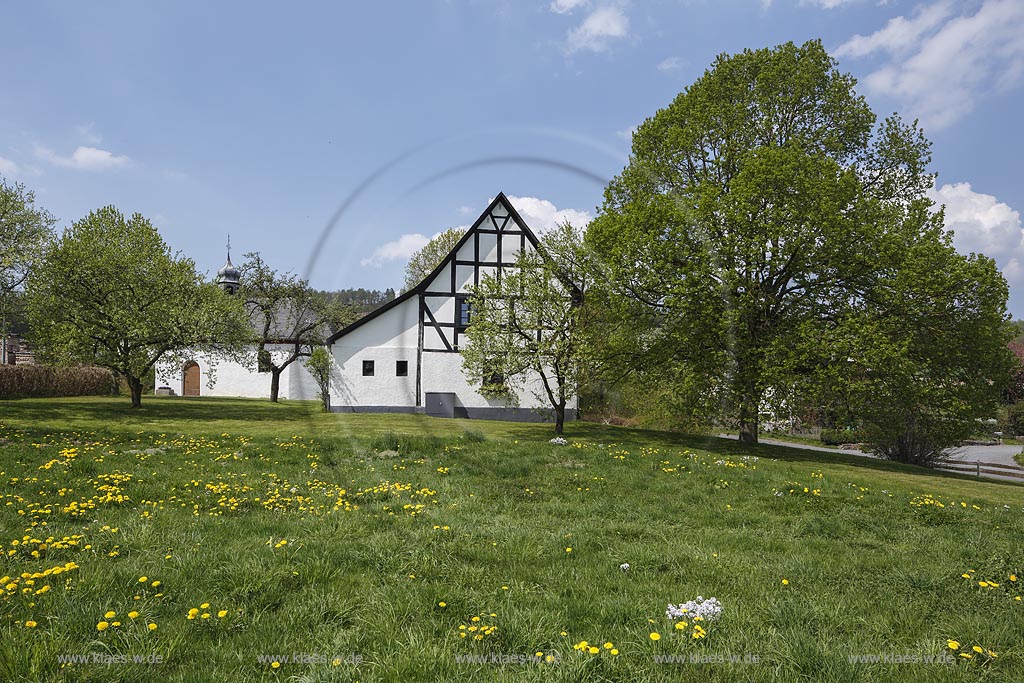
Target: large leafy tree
528,327
765,208
424,260
109,292
286,314
24,231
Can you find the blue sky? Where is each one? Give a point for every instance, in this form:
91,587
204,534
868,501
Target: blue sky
262,119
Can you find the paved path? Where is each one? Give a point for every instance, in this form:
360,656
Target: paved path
1002,455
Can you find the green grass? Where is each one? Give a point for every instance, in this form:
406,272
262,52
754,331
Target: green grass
386,516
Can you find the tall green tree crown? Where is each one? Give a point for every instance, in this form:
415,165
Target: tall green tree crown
761,212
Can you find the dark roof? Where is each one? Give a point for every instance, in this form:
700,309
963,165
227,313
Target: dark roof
500,199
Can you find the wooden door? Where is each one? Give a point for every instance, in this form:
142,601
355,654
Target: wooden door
190,385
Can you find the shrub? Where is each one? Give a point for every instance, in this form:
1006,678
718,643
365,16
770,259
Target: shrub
42,381
1013,423
838,437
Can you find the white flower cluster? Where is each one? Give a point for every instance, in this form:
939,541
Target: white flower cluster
708,610
559,441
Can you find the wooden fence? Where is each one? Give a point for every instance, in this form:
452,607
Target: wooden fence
978,468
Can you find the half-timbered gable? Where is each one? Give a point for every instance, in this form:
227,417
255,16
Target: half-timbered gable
404,357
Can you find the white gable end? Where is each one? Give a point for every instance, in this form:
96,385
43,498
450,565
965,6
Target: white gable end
420,333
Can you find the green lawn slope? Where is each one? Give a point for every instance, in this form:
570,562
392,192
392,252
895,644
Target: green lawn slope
237,540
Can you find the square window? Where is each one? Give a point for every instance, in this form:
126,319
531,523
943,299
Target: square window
401,368
367,368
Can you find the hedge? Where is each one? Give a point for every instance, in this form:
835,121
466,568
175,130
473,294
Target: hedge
838,437
41,381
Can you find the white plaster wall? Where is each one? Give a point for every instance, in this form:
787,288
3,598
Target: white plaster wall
488,247
443,281
241,380
390,337
442,372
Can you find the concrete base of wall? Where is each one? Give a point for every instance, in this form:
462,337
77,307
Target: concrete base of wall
505,414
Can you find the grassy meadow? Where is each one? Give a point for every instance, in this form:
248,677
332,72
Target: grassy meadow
237,540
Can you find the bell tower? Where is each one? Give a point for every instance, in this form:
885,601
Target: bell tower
228,276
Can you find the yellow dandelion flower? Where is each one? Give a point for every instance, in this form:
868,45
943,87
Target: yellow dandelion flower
655,636
568,550
205,605
152,627
785,582
978,649
222,613
132,614
155,584
681,625
953,644
143,579
102,626
30,624
593,650
275,665
110,615
442,604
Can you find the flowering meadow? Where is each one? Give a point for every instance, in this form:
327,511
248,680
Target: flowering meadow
232,540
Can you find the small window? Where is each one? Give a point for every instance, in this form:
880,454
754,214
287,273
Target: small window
367,368
401,368
463,311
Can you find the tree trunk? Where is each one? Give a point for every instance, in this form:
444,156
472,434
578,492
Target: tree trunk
135,384
749,406
275,384
560,418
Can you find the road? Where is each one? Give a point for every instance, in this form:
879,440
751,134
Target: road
1000,455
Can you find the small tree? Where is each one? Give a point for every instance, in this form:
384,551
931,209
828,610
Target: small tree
286,311
109,292
423,261
24,231
528,324
321,365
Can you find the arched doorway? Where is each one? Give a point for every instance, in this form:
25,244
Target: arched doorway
190,381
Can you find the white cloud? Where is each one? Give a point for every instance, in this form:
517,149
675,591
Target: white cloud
84,158
670,64
599,27
899,35
87,131
984,225
396,250
627,134
542,215
566,6
939,63
8,167
825,4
